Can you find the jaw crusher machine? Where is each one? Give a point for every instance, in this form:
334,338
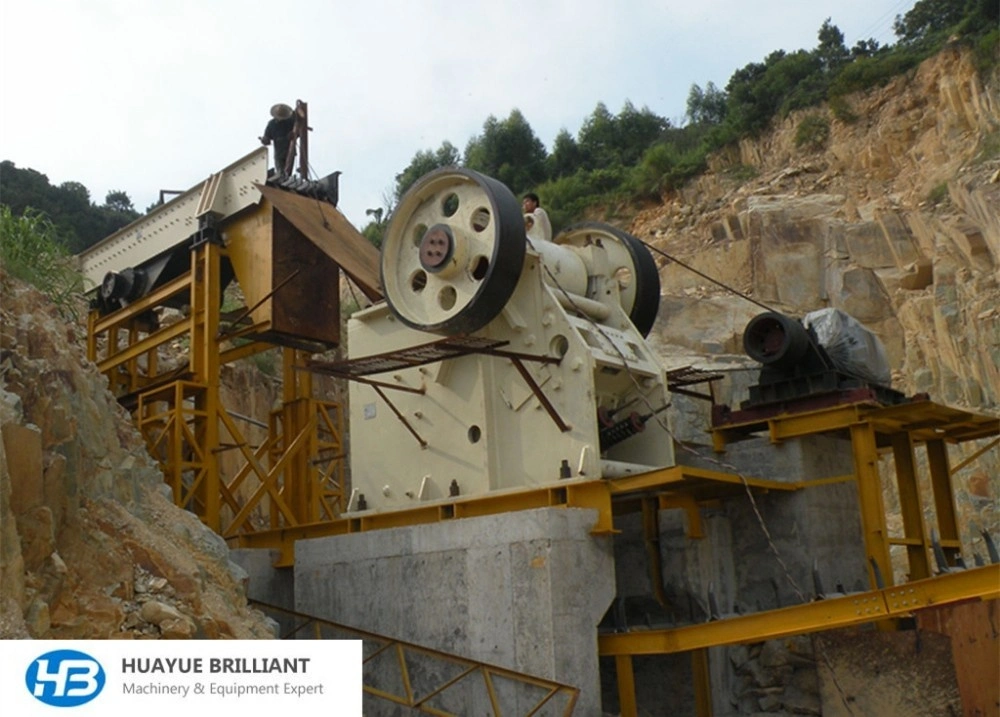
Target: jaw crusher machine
498,362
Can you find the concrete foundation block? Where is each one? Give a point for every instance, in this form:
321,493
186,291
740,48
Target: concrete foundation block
524,591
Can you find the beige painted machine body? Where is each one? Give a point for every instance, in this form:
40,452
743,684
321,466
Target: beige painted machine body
485,427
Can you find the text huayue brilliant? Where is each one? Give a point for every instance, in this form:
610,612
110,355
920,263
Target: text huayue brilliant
217,665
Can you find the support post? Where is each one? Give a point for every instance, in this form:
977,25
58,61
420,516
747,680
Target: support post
915,537
944,500
626,686
870,496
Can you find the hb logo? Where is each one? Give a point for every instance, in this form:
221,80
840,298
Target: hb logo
65,678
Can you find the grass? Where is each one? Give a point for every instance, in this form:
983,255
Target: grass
32,250
939,194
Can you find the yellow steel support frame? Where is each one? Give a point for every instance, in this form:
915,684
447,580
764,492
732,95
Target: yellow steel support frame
944,500
295,477
911,506
901,428
900,601
872,506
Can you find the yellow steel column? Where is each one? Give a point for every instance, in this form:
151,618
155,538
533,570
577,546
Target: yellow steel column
702,683
915,537
870,496
174,468
626,686
300,489
944,500
206,294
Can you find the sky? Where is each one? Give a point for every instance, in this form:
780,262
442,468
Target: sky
144,95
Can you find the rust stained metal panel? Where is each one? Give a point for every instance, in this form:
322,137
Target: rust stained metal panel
975,650
329,230
306,301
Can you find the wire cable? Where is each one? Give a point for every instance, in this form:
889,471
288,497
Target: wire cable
762,523
706,276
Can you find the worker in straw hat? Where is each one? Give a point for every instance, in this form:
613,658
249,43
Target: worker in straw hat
279,130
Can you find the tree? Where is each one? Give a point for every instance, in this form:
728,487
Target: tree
620,140
928,17
423,162
596,139
706,107
831,51
637,131
118,201
509,151
566,156
78,221
865,48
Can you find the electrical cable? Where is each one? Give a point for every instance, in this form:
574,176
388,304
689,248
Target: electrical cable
705,276
722,464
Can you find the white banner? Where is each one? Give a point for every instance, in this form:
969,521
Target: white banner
186,678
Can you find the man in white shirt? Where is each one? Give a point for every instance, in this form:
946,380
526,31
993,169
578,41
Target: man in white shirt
536,219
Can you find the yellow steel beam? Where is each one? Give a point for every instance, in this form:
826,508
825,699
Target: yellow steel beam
694,528
627,706
140,306
244,351
788,426
593,494
944,497
872,506
206,298
140,347
675,477
978,583
911,508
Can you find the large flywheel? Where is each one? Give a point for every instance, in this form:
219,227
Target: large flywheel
632,266
453,252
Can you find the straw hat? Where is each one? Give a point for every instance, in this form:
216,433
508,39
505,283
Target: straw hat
281,111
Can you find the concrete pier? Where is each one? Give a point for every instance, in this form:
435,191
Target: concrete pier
522,590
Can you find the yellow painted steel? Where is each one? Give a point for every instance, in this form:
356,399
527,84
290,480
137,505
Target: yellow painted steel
597,495
944,499
295,477
917,544
627,706
554,697
901,601
901,427
873,523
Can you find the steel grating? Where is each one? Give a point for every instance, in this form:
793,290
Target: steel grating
432,352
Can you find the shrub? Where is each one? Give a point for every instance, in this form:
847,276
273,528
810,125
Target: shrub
812,133
989,147
841,109
938,194
32,250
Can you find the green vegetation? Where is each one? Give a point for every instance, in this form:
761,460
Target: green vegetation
842,110
635,155
812,133
989,147
32,250
938,194
80,222
618,160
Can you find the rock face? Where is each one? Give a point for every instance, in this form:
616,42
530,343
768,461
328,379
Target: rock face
90,544
896,221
